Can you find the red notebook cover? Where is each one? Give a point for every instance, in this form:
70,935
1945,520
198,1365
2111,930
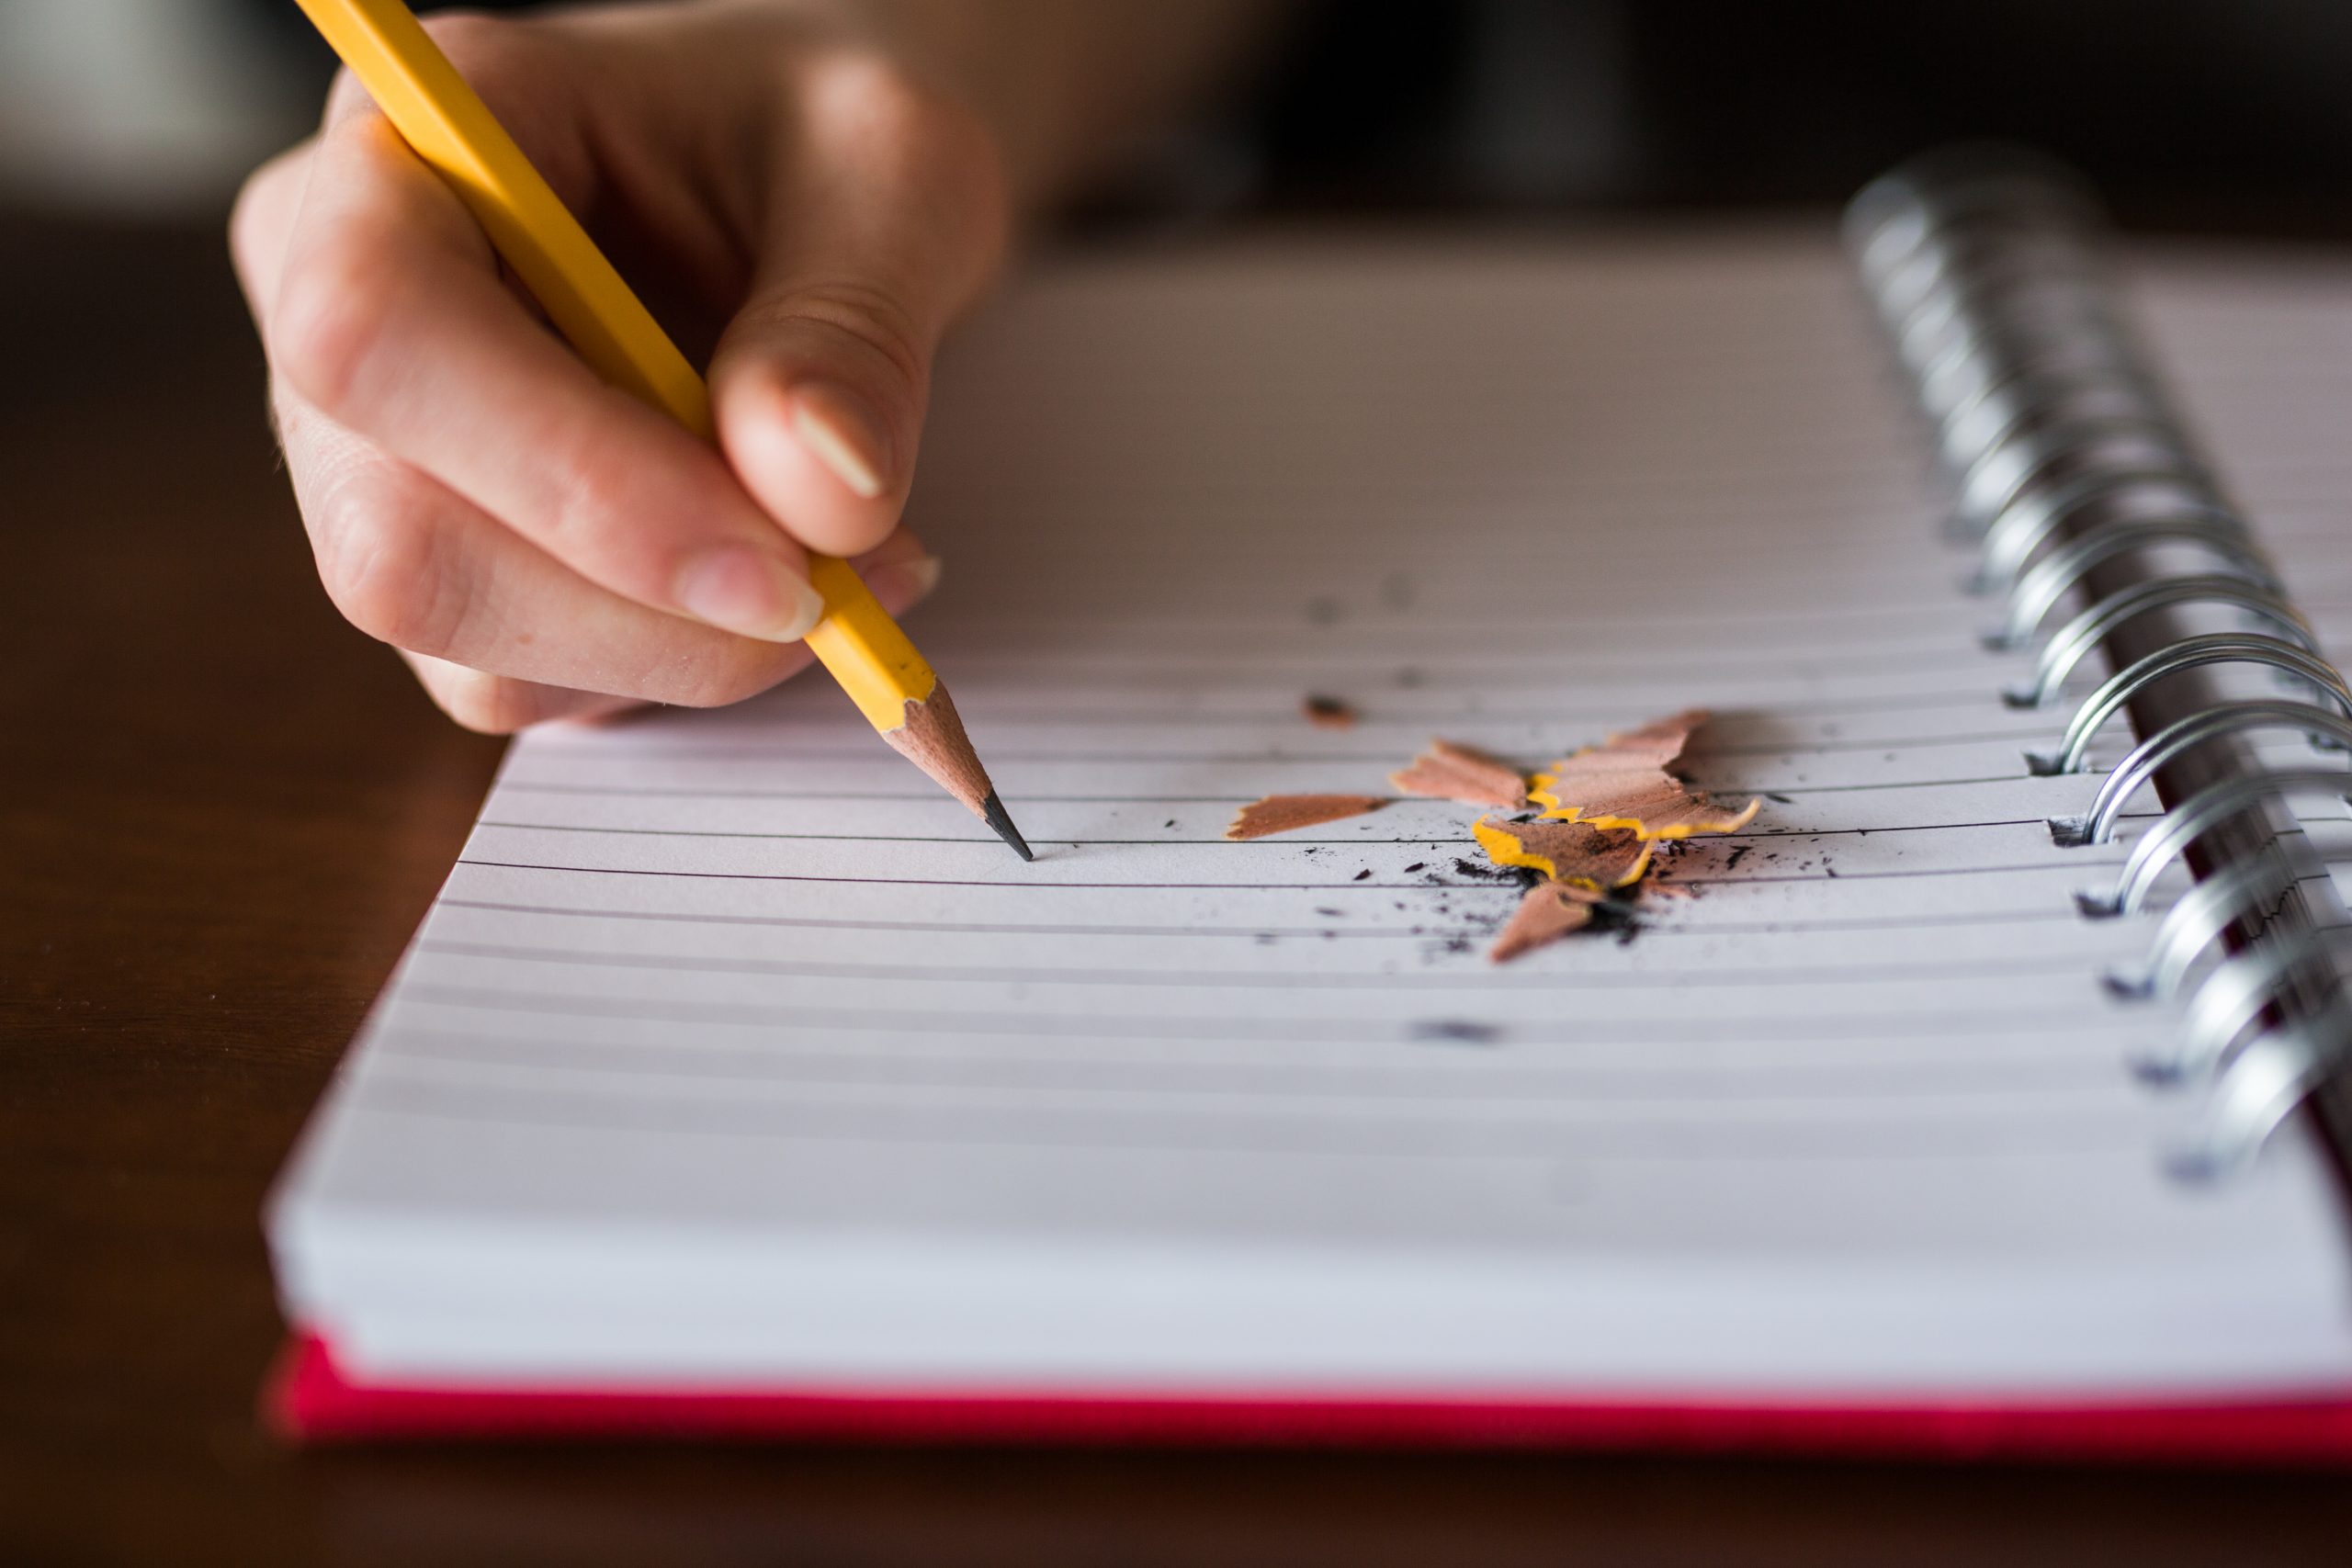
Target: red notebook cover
309,1398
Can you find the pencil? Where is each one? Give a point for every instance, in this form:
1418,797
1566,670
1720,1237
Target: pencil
453,130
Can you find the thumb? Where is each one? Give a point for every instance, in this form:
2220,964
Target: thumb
886,219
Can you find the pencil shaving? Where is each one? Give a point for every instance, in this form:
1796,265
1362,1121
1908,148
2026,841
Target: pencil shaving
1549,911
1445,771
1623,783
1664,811
1287,813
1576,852
1606,809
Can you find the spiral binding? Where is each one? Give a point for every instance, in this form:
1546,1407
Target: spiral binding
2065,464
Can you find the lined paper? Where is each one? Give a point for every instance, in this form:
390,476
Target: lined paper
733,1052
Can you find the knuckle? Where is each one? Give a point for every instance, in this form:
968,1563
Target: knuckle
879,96
378,561
328,323
477,42
890,110
510,62
929,146
486,704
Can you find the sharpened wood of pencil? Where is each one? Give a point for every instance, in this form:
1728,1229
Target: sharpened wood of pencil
453,130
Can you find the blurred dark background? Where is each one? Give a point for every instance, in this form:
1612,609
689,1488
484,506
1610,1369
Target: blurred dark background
2233,113
2230,114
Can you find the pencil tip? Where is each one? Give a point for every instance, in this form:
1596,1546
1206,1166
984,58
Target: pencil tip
932,738
992,812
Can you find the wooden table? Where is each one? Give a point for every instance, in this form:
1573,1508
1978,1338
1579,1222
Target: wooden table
222,813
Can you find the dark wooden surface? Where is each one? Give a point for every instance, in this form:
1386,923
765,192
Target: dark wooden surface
221,812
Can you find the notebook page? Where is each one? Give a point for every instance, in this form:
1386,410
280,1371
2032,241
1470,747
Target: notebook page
733,1051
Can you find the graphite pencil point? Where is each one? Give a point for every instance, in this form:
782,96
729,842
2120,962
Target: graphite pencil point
992,812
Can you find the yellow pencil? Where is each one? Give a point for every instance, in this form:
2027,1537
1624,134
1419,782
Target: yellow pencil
453,130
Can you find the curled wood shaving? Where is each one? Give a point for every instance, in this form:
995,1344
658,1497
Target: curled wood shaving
1283,813
1622,782
1549,911
1445,771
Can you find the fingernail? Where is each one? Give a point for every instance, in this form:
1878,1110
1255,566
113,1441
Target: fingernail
904,582
840,430
742,590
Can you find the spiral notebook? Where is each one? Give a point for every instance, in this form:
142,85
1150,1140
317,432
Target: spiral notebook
736,1084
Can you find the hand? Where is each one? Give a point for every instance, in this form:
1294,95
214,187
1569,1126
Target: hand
537,544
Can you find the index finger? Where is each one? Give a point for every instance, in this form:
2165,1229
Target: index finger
392,318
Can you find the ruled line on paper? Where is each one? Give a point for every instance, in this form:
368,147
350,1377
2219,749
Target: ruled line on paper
1130,670
1372,886
1108,1027
2039,1128
1296,979
2049,723
1288,841
1620,1087
1134,631
1509,1063
1983,696
881,764
526,787
1779,1077
2051,911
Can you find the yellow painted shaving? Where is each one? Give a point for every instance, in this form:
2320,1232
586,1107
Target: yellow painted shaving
1505,848
1541,792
